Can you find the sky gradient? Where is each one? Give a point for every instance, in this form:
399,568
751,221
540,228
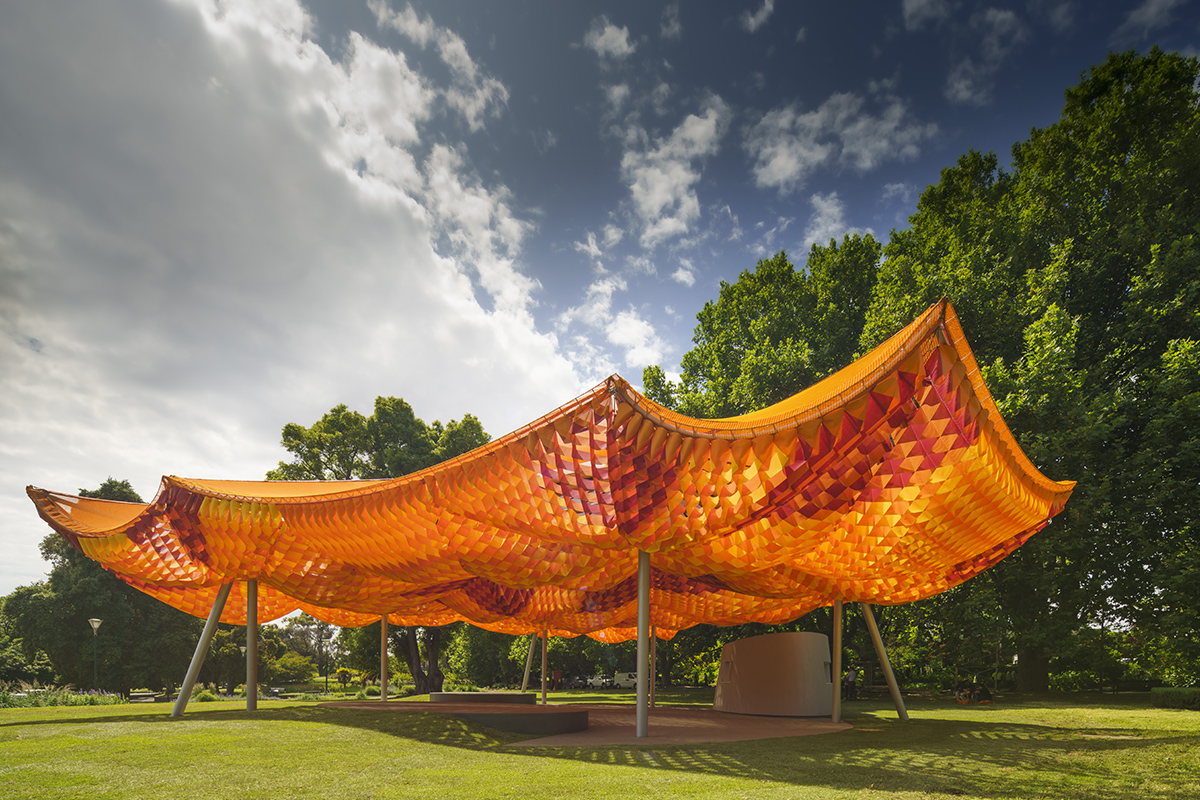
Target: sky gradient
220,217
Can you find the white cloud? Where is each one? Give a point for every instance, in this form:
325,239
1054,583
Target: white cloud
765,244
642,344
612,235
588,248
662,174
828,220
801,34
659,96
216,228
472,93
788,145
897,191
918,12
617,95
608,41
753,21
685,275
1149,16
641,265
626,330
671,27
970,79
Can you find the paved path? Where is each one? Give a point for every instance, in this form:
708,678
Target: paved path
617,724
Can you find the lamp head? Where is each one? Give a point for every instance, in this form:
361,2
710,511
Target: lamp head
95,625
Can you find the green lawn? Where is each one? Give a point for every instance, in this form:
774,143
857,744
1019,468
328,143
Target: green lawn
1068,747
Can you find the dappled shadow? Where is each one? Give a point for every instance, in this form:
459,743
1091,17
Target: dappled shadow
975,756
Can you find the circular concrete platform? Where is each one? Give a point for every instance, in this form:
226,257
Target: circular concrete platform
613,724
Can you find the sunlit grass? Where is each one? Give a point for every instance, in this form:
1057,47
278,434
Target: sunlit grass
1085,747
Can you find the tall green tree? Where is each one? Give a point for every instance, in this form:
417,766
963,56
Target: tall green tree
393,441
1075,275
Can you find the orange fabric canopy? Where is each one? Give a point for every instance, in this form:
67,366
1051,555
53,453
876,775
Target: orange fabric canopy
890,481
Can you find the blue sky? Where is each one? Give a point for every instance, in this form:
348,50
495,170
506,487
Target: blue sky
219,217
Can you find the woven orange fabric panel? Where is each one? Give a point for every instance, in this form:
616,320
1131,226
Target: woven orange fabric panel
888,482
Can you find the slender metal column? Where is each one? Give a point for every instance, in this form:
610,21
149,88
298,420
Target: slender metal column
881,651
251,645
383,659
544,637
210,627
836,667
528,663
643,634
653,661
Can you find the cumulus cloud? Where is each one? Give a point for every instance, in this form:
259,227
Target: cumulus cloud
788,145
473,93
1149,16
589,247
919,12
626,329
752,21
971,78
671,28
616,95
218,227
662,173
685,275
828,220
608,41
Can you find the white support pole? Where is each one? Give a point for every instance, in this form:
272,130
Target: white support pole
643,634
881,651
383,659
251,645
653,661
210,627
836,665
544,638
528,663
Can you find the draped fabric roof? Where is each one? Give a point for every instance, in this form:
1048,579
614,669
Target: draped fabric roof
890,481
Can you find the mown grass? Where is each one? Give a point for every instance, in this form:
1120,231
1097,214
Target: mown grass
1067,747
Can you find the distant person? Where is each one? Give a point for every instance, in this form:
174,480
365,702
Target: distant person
982,696
852,684
962,692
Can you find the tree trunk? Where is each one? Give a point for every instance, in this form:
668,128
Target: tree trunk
433,680
1033,669
412,657
433,648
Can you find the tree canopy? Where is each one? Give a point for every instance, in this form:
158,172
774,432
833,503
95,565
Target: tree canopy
393,441
1076,274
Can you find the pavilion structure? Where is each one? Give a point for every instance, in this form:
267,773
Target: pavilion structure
890,481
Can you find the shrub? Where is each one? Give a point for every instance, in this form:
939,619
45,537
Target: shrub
25,697
1165,697
372,691
204,696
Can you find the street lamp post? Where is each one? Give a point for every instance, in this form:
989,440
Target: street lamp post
95,635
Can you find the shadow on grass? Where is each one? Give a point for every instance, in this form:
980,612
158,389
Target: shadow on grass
973,756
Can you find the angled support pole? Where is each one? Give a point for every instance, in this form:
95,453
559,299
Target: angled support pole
383,659
835,667
643,644
251,645
881,651
210,627
544,637
528,663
